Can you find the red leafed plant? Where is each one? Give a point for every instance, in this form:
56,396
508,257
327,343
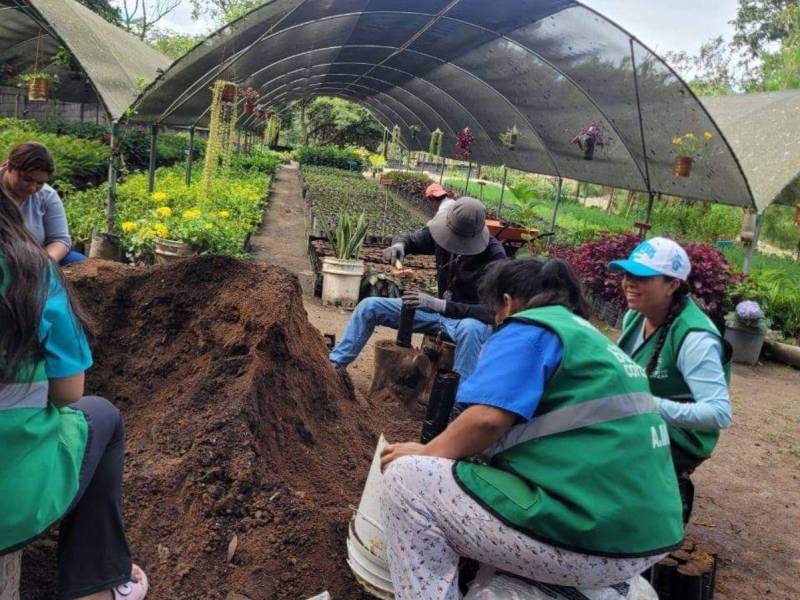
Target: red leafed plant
464,141
709,281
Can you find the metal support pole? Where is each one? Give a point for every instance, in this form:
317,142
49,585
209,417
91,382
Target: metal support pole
151,172
502,192
649,213
111,210
752,246
555,208
190,157
641,133
469,172
441,175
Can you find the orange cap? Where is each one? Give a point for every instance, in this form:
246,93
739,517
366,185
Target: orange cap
435,190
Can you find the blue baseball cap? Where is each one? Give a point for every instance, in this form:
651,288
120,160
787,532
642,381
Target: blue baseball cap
657,256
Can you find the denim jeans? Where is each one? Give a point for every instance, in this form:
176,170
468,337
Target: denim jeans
468,334
72,258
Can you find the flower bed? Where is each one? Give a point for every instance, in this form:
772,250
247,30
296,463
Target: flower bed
331,192
219,222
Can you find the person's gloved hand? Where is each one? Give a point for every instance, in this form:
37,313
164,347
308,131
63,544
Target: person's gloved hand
424,302
394,252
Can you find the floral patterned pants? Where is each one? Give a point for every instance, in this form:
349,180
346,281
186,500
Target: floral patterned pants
431,522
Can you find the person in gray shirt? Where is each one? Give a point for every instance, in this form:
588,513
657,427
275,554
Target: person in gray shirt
23,177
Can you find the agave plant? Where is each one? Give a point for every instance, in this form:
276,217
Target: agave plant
349,236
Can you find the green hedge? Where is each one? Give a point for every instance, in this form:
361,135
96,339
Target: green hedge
79,163
329,156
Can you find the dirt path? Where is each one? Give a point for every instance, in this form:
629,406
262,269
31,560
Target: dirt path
282,237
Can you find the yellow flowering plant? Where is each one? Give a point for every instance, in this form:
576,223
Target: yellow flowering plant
692,145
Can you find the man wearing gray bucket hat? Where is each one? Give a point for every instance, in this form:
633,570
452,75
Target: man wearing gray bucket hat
457,236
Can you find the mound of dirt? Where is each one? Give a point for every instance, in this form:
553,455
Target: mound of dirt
244,447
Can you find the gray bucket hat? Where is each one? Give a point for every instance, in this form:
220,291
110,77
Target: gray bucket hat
461,229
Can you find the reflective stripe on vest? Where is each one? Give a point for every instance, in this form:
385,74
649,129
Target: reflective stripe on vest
23,395
576,416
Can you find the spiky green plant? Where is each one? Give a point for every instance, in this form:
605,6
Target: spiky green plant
350,234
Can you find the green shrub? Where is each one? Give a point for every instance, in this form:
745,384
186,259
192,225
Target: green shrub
329,156
261,159
778,293
79,163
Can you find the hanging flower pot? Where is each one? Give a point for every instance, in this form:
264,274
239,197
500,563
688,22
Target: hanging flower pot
38,89
228,93
509,138
248,108
689,146
682,167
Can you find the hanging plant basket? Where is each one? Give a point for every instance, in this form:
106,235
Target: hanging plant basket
682,167
38,89
228,93
248,108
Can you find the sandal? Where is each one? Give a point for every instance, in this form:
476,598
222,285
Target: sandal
135,589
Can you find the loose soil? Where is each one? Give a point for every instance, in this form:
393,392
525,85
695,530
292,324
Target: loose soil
240,435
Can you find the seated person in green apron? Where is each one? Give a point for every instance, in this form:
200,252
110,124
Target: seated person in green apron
685,357
62,453
571,488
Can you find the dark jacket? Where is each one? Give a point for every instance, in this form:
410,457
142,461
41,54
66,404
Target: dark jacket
459,275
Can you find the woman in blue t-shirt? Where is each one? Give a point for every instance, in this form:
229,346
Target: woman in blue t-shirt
62,453
23,178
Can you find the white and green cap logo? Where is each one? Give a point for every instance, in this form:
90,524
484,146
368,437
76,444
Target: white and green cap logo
657,256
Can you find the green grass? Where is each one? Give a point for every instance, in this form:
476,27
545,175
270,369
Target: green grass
763,262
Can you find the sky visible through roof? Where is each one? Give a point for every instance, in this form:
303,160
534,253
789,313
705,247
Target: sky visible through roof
663,26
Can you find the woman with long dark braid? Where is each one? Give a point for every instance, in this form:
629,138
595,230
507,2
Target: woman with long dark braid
62,453
686,359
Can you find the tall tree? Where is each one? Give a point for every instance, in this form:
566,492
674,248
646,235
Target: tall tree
759,23
223,11
780,70
140,16
171,43
711,72
103,8
326,121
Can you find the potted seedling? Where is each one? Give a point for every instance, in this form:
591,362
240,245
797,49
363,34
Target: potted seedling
38,85
250,96
745,328
591,137
689,147
342,273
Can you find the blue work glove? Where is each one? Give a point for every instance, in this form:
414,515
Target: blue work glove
424,302
395,252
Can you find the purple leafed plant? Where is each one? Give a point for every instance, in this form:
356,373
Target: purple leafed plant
464,141
593,135
708,283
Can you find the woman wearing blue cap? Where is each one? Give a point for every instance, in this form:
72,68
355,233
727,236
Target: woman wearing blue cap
685,357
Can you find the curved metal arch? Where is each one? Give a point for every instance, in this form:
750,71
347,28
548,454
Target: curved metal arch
569,79
400,118
482,82
416,77
394,87
350,98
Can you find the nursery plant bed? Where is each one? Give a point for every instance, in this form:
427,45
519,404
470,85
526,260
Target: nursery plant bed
418,271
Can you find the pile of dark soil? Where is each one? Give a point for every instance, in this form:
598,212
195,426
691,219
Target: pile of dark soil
244,447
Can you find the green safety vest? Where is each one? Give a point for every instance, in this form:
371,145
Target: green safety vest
666,381
41,452
591,471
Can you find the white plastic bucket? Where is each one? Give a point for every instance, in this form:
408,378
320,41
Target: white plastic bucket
341,281
366,542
